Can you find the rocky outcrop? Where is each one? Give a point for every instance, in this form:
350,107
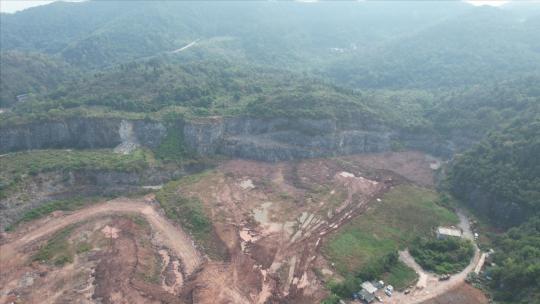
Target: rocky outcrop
244,137
77,133
285,139
45,187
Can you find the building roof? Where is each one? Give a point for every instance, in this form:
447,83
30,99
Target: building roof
449,231
368,286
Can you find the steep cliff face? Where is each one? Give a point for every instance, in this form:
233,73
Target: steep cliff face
45,187
77,133
244,137
285,139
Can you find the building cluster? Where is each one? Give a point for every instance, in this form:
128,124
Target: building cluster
371,291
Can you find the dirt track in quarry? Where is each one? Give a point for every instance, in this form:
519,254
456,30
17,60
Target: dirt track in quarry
170,236
271,217
112,268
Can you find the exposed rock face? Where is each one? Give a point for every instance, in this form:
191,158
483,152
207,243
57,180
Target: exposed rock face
285,139
261,139
77,133
56,185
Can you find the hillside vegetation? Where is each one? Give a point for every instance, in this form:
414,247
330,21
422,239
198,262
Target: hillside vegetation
517,259
442,256
500,179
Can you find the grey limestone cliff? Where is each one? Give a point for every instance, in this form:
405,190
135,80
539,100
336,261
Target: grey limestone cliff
285,139
76,133
244,137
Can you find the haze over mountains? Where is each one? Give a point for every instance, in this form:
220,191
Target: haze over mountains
334,39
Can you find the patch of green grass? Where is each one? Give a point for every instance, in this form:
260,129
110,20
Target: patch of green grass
57,249
83,247
404,213
188,211
366,248
193,178
49,207
400,276
33,162
139,220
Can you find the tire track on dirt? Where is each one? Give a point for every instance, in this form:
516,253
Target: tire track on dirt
166,233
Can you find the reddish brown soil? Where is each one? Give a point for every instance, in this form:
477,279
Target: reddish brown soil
412,165
463,294
121,267
270,217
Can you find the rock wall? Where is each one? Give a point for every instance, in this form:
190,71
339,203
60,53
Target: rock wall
76,133
285,139
45,187
244,137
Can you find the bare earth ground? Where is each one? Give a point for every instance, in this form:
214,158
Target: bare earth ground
271,217
462,294
109,270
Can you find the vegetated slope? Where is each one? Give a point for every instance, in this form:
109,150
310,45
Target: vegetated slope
200,88
24,73
281,32
500,178
486,44
479,109
517,259
18,166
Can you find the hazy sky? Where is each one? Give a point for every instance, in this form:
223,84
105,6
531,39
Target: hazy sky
11,6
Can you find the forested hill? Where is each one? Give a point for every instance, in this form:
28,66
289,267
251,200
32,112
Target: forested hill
200,88
501,176
22,73
487,44
366,45
500,179
97,33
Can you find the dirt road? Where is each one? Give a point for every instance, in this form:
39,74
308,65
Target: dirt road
171,236
428,285
187,46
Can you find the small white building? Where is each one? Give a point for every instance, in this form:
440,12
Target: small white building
446,232
368,286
